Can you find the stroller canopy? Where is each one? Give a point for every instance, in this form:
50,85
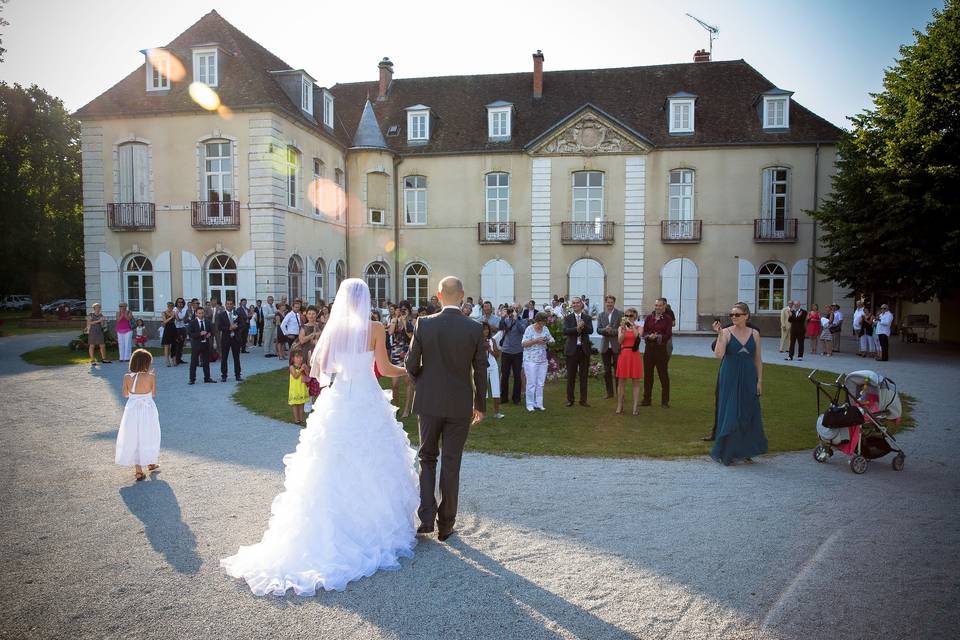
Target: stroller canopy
874,384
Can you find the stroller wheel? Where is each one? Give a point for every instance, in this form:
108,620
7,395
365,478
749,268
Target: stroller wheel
858,464
897,462
821,454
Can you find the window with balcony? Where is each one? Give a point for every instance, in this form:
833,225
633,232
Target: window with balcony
415,199
416,284
774,220
588,224
205,66
138,277
292,171
498,206
680,209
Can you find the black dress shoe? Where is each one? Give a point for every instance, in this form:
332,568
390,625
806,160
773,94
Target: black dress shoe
443,535
425,528
223,378
210,381
569,403
665,405
583,403
645,403
192,382
239,379
608,396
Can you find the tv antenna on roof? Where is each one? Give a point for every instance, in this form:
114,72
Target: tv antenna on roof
710,28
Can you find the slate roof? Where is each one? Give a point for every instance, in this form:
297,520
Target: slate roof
245,81
727,108
369,134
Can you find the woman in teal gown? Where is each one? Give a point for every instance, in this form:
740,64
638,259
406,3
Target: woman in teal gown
739,423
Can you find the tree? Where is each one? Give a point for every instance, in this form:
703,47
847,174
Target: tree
892,224
41,217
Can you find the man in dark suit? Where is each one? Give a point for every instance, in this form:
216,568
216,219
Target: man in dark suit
260,322
608,326
530,312
245,332
200,331
444,350
577,326
230,324
798,329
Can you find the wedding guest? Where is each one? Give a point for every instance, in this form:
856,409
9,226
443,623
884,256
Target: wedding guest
798,328
309,334
512,356
836,326
291,323
668,311
230,324
434,306
138,439
180,325
487,315
530,312
657,331
493,373
867,334
716,391
95,329
740,424
244,314
217,311
883,328
400,333
297,392
200,330
608,326
629,363
535,339
124,329
577,326
857,323
477,309
254,327
140,334
785,326
558,308
468,311
270,328
281,338
826,336
813,327
169,336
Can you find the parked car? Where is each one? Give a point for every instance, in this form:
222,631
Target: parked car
16,303
51,307
78,308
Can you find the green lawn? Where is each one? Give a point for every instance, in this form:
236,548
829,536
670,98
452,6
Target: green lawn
789,414
60,355
10,325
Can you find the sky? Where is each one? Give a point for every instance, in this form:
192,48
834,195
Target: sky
831,53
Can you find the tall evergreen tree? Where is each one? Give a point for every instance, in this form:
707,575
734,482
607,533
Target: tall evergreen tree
892,224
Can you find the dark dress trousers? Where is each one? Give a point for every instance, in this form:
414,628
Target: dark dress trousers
448,362
798,331
200,347
656,356
230,341
578,355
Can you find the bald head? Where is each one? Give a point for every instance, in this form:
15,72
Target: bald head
450,291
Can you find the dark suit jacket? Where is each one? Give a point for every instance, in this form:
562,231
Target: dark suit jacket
223,324
798,322
445,347
609,342
570,330
193,330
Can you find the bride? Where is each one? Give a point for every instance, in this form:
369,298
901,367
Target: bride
351,492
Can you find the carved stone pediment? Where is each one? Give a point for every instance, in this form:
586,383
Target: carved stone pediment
590,133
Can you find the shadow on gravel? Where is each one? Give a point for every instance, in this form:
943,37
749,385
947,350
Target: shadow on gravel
156,506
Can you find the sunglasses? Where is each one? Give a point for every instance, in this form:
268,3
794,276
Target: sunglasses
737,315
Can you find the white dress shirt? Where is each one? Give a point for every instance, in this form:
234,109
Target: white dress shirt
291,324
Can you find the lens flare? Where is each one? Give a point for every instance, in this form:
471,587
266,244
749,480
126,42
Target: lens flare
390,246
167,64
225,112
324,194
204,96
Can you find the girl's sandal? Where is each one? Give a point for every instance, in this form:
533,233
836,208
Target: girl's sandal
141,476
152,467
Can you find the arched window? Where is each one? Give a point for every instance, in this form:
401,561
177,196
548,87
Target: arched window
341,273
222,278
292,170
416,284
771,287
318,280
294,278
138,276
587,278
376,278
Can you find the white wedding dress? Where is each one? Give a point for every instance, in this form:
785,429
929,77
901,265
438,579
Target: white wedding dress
349,508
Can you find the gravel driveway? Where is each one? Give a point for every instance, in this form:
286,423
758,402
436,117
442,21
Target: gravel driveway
547,547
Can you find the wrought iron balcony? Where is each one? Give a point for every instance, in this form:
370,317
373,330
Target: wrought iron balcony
598,232
215,214
132,216
774,230
678,231
497,232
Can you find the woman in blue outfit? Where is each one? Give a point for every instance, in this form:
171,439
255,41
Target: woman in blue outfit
739,423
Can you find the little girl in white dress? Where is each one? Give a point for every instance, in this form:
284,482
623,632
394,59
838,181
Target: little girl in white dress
138,441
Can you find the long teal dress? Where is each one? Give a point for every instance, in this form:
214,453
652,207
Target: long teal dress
739,423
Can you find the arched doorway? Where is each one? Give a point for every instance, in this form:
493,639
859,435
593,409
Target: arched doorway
496,282
587,278
678,284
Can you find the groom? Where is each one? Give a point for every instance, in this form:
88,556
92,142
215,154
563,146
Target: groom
445,347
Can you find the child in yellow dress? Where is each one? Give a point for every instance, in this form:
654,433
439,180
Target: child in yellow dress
298,394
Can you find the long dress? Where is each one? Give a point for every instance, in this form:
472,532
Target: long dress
739,423
629,362
138,440
351,494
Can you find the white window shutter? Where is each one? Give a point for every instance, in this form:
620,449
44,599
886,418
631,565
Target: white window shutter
109,284
161,283
190,270
799,276
141,173
765,194
247,276
747,284
125,169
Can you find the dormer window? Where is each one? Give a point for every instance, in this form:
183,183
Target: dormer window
158,69
306,94
681,112
499,120
327,108
776,109
418,123
205,66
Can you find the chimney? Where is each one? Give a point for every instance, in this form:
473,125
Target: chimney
702,55
386,77
538,74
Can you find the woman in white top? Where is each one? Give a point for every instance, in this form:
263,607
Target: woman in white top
493,370
535,340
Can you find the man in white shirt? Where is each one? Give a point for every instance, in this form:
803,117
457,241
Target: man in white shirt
269,327
884,325
558,309
486,314
291,322
858,325
837,327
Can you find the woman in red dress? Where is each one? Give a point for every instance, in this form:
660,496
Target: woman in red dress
629,362
813,327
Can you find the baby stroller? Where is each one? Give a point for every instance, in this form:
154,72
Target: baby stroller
860,404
